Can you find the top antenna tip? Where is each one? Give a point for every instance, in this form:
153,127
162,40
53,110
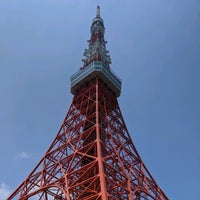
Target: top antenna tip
98,11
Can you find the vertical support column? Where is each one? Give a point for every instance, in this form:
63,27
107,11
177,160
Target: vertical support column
129,188
99,150
67,194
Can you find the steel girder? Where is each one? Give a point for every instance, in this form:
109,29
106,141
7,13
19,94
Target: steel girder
92,156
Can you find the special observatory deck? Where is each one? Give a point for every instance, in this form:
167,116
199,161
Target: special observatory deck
91,71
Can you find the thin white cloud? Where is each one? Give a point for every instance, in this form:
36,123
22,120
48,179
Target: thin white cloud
23,155
4,191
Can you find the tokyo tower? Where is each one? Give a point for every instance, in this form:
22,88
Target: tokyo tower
92,156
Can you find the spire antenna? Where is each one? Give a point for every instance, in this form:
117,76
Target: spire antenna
98,11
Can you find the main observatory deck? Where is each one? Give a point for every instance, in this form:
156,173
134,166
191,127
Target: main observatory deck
94,69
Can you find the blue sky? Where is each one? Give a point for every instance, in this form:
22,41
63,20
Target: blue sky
155,49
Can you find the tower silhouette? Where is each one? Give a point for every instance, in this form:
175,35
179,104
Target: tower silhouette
92,156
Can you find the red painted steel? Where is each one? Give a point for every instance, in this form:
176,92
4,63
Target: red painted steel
92,156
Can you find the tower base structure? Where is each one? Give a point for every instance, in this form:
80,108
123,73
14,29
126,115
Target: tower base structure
92,156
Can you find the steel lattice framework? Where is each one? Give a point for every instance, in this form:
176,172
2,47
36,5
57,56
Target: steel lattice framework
92,157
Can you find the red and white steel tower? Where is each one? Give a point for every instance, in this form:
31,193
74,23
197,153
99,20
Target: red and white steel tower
92,156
